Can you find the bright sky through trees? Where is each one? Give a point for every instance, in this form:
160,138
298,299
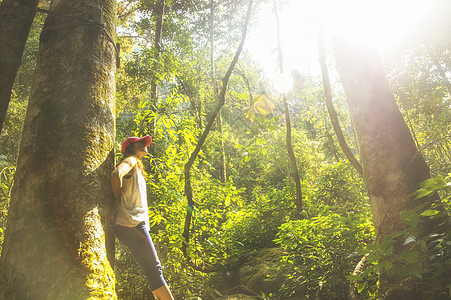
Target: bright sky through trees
378,23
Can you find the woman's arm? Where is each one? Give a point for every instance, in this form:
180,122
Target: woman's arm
120,171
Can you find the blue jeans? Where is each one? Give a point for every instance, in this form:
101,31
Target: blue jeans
139,242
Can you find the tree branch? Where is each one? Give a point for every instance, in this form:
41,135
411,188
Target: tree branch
189,164
331,110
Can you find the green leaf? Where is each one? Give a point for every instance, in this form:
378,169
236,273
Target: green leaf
422,193
354,277
409,217
409,240
361,287
429,212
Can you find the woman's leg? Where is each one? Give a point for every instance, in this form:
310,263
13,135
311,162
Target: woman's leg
163,293
139,242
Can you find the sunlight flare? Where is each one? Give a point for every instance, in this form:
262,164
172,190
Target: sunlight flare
374,23
379,24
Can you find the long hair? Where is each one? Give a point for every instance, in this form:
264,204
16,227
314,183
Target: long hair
139,164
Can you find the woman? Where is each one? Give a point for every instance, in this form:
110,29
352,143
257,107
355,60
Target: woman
132,220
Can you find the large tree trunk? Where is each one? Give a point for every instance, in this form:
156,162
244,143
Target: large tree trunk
59,230
15,23
392,166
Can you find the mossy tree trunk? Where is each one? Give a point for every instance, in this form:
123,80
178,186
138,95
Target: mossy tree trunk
59,230
16,18
392,166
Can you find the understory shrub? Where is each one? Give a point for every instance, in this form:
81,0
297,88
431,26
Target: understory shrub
424,264
320,252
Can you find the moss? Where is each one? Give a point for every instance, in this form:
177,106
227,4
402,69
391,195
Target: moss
100,280
101,145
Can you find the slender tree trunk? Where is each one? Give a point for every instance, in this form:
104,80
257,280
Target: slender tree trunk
294,168
392,166
59,231
159,14
203,137
331,141
212,48
222,159
16,18
331,110
439,67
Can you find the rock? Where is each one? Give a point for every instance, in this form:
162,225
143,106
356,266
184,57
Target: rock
255,269
250,275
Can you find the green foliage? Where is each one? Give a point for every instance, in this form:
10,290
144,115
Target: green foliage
10,136
254,209
255,227
422,91
11,132
248,211
130,282
6,184
321,249
338,185
420,255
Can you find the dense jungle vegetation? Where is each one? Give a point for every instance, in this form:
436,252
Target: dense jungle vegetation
246,214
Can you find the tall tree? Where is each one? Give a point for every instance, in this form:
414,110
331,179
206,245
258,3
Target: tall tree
293,166
59,233
392,166
222,159
219,104
16,18
159,14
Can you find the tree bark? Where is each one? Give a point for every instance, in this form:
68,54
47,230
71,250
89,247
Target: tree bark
59,232
16,18
293,166
392,166
331,110
222,156
353,285
203,137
